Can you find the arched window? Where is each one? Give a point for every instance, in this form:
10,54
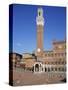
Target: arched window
37,67
62,62
59,69
52,69
62,69
56,62
45,69
55,68
48,69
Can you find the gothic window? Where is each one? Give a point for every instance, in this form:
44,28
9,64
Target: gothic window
48,62
59,69
48,69
62,62
56,47
62,69
45,69
56,62
55,69
52,63
52,69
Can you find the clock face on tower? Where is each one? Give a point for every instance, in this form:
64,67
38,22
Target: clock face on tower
38,50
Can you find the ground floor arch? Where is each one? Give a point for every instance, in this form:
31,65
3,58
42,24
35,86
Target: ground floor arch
38,67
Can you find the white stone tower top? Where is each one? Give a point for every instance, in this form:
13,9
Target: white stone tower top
39,18
40,12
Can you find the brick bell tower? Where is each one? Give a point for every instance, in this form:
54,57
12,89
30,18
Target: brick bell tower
40,28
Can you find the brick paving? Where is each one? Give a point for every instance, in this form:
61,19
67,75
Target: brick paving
29,78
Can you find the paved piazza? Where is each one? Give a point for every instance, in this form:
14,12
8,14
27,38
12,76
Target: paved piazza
21,77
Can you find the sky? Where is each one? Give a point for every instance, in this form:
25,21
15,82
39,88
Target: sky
25,27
